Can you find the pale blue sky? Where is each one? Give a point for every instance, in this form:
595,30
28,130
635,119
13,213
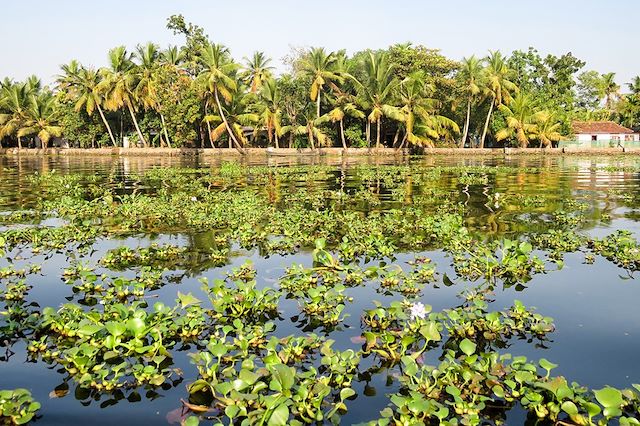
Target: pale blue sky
39,35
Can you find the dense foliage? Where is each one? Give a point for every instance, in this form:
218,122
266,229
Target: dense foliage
197,95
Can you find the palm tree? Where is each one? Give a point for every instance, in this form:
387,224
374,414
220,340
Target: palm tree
472,76
237,115
271,112
319,66
40,119
520,118
119,84
146,91
257,70
499,87
219,75
422,125
81,85
344,105
172,57
610,89
547,129
311,128
15,100
377,91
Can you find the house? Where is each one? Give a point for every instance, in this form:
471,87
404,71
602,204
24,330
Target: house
603,133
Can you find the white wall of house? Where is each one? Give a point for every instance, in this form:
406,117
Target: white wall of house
587,137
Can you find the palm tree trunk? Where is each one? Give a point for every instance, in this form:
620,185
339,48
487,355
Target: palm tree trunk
310,131
206,112
277,142
465,133
19,143
395,138
344,142
106,124
164,127
378,137
404,139
368,132
486,124
232,136
318,103
135,123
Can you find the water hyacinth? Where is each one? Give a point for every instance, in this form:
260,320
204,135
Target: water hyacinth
418,311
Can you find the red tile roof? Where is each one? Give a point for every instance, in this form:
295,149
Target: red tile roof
595,127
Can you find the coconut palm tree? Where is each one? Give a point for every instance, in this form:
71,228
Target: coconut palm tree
498,86
547,128
345,104
15,101
81,86
320,67
119,83
40,119
418,113
257,71
149,57
377,91
520,119
311,128
172,57
270,110
219,75
610,89
236,115
471,75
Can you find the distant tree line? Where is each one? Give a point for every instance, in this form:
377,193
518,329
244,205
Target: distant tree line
197,95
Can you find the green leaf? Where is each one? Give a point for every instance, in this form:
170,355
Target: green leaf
547,365
569,408
346,393
468,347
280,416
187,299
283,376
136,326
609,397
191,421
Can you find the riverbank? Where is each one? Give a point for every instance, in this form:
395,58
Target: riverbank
335,152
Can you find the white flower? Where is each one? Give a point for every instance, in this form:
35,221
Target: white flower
418,311
194,199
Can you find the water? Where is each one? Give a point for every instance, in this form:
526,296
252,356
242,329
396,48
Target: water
597,335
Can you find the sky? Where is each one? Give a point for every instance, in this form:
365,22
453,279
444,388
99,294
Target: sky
40,35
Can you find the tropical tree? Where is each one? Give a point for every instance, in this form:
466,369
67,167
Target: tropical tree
423,126
219,76
471,76
377,92
270,112
610,89
498,86
257,71
520,120
320,67
547,128
146,91
15,101
81,85
40,119
237,115
311,128
119,83
344,105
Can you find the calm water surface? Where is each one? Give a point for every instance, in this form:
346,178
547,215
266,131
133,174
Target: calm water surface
595,307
